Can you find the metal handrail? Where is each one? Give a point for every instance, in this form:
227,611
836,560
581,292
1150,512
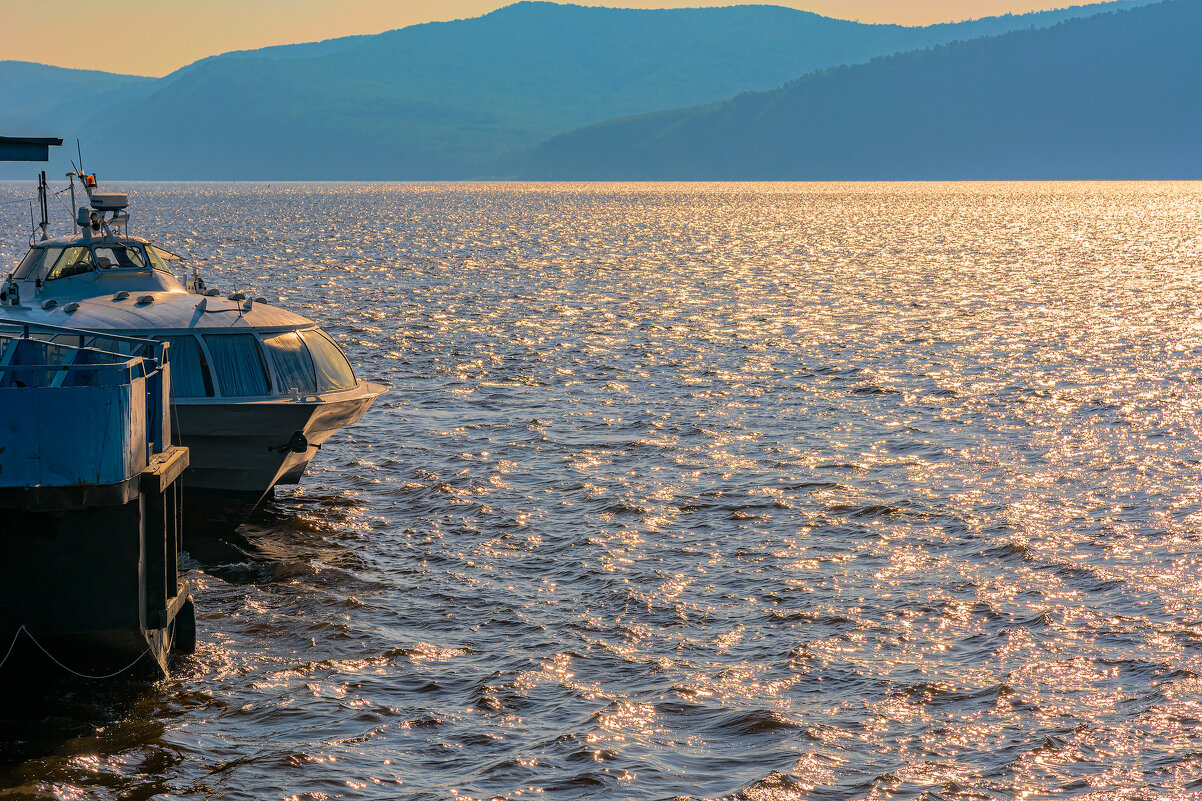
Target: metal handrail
118,358
156,349
124,365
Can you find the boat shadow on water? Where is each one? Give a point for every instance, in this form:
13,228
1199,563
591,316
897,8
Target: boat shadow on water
279,539
52,723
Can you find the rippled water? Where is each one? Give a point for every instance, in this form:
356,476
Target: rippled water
768,491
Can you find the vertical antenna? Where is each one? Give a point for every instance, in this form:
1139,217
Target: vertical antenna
74,208
45,223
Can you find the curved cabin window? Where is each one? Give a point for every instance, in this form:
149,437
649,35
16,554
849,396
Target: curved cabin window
333,370
293,362
189,372
161,259
35,261
73,261
118,257
238,365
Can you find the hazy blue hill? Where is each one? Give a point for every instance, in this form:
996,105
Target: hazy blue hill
28,92
1111,96
565,61
293,51
470,98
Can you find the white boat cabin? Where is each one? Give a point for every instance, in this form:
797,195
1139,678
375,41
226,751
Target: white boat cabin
234,348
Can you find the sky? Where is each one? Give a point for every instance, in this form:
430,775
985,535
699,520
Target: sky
154,37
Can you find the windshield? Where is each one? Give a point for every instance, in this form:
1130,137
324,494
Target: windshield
120,257
161,259
32,265
73,261
57,262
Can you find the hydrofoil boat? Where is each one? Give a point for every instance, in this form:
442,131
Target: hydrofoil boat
255,389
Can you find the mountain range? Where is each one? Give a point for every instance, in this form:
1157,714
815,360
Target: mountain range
1113,96
481,97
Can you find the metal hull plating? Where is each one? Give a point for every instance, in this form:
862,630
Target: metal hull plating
241,450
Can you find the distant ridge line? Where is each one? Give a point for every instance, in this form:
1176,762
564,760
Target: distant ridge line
452,100
1102,97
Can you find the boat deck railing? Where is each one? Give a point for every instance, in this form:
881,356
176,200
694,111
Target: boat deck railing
35,356
83,338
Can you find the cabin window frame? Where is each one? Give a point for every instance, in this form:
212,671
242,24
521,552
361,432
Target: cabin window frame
138,250
276,375
300,332
35,262
159,259
260,351
317,363
206,373
50,276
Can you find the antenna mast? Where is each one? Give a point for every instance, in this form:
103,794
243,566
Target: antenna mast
42,198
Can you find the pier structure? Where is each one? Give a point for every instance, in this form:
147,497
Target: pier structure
90,504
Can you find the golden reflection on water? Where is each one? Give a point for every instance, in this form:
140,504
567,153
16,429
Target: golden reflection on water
755,491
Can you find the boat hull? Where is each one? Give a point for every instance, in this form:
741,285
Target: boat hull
241,450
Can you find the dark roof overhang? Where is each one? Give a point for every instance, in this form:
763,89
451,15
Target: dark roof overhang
17,148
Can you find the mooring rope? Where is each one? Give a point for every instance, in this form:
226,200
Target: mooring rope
55,660
11,645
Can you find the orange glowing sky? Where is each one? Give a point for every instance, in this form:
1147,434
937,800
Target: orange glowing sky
154,37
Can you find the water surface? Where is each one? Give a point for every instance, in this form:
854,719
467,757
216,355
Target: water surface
813,491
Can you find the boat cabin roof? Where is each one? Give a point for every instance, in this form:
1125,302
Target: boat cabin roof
125,283
90,239
167,312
